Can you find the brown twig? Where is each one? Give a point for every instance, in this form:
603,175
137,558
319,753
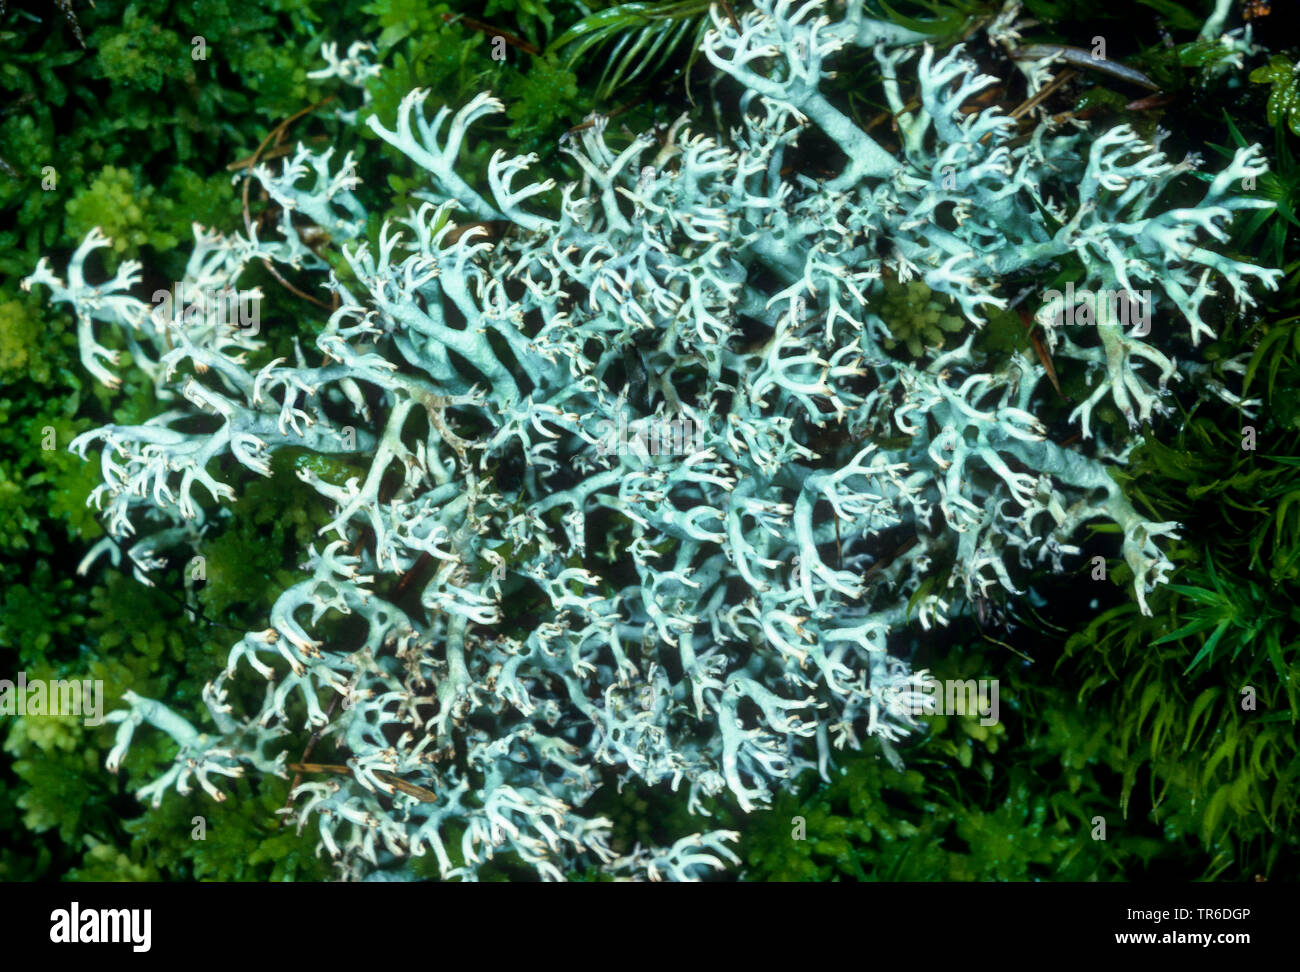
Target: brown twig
491,31
1041,350
880,565
421,562
275,153
731,15
1036,100
277,133
613,114
396,782
311,744
889,116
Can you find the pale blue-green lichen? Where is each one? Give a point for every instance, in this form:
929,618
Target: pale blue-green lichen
741,642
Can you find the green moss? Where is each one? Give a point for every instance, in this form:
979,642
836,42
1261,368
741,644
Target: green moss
239,839
141,54
916,317
541,100
248,561
126,213
20,344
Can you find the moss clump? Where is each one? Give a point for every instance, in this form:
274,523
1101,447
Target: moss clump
917,317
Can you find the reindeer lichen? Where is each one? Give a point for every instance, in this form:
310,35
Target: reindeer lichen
724,618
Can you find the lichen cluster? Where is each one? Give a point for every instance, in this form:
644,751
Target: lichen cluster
720,620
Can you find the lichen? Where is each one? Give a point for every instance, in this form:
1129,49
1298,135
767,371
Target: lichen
754,617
